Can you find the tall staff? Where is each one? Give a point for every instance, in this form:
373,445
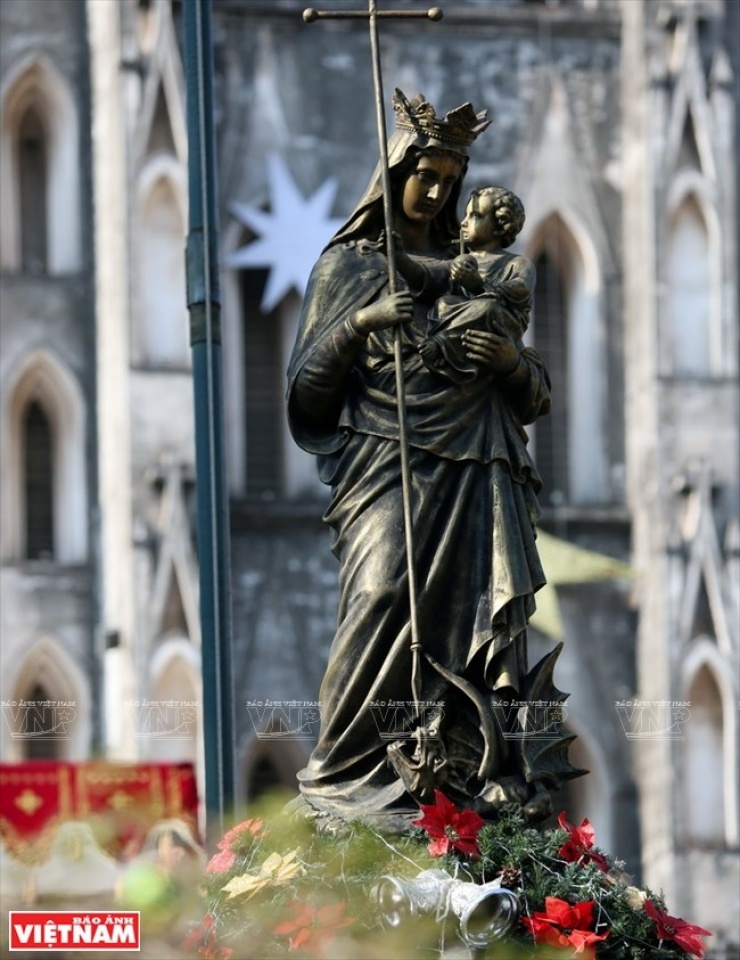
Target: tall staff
205,338
310,15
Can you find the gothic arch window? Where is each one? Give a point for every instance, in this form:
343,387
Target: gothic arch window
689,293
38,483
709,755
550,335
172,730
264,387
42,464
704,772
161,334
51,719
39,171
264,462
272,468
42,741
32,162
569,443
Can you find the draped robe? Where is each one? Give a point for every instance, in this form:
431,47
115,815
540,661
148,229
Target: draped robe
474,512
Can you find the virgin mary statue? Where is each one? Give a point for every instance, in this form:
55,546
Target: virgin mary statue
473,508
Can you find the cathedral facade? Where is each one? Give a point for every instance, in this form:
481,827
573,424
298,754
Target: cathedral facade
616,123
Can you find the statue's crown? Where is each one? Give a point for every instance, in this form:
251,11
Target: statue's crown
458,128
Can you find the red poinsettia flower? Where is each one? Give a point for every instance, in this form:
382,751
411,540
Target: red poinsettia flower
452,829
204,940
566,925
221,862
211,952
685,934
313,927
578,848
253,825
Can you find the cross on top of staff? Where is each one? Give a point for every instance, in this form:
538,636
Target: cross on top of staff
310,14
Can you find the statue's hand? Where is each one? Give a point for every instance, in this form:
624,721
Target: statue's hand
397,242
388,312
411,271
495,352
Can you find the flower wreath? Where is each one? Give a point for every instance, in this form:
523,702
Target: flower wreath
276,886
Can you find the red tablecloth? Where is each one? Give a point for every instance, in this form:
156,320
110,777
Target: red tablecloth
121,801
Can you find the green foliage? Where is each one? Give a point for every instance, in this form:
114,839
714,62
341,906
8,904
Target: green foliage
511,844
306,892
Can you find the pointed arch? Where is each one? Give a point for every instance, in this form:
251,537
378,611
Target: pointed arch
161,139
36,88
567,333
702,604
173,614
47,666
175,691
688,155
690,107
45,381
160,336
692,327
163,96
688,144
710,756
174,595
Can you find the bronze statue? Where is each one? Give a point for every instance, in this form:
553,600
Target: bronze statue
501,285
473,496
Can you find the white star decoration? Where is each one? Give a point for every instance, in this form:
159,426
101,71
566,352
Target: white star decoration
291,237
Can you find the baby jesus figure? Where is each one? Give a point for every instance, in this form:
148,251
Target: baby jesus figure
495,287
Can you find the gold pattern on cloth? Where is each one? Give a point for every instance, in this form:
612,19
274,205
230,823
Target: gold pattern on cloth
29,802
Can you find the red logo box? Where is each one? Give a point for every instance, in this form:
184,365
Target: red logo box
48,930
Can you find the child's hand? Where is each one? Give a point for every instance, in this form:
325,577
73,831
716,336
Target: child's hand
464,270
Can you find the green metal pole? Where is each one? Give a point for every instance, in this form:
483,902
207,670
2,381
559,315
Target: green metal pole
211,493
